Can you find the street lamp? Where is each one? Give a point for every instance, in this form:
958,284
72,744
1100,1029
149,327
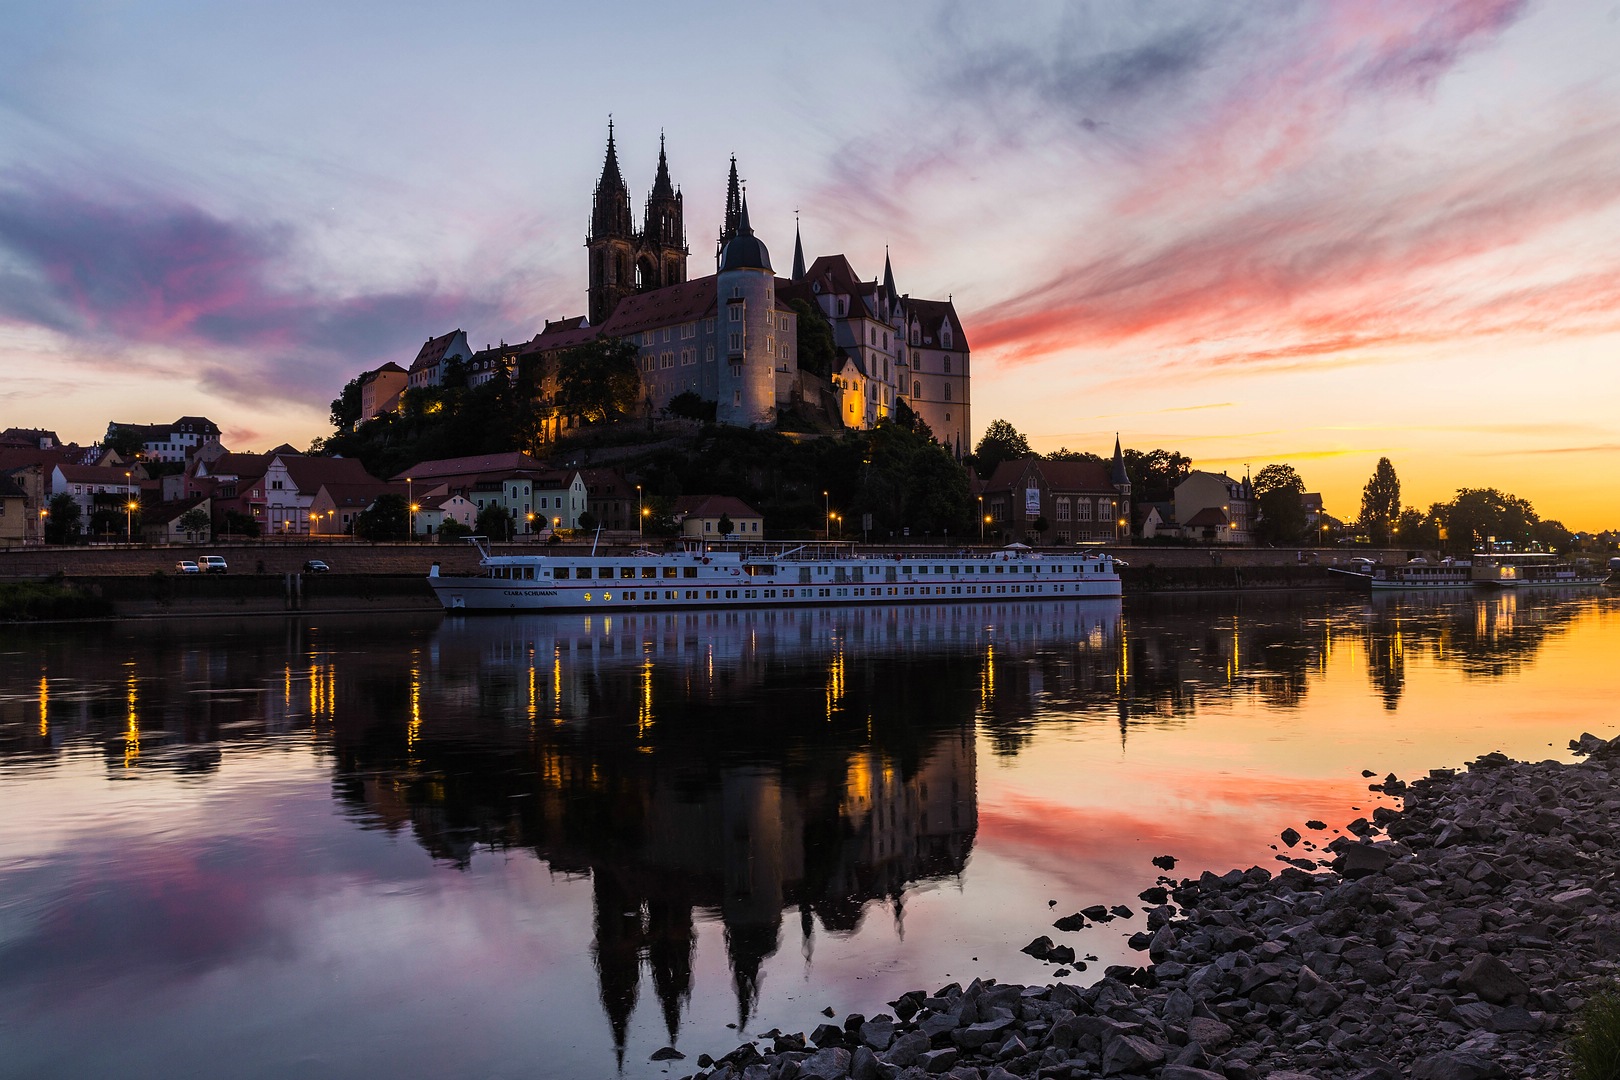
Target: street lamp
414,509
641,513
129,509
410,499
982,519
826,509
531,521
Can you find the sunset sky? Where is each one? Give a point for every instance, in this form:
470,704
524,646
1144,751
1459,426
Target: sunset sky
1312,233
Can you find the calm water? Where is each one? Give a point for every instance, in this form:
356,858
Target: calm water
545,845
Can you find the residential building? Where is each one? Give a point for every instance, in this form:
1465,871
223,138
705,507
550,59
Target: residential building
14,438
161,522
1214,508
17,524
291,482
428,367
1082,502
336,504
380,390
614,501
170,442
96,488
700,516
434,510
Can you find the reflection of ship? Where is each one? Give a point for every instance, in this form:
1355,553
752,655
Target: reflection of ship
1417,574
801,576
1517,570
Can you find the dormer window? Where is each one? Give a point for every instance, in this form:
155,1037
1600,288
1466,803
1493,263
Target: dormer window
945,337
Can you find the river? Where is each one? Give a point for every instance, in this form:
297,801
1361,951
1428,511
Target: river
550,845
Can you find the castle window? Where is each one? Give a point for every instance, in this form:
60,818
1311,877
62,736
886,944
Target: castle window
947,361
666,333
736,313
666,360
945,337
916,389
1063,508
708,352
708,324
916,336
885,339
736,397
686,357
947,391
736,341
843,306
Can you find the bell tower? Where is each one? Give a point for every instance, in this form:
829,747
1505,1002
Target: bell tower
661,258
611,242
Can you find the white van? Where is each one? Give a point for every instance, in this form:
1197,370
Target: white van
212,564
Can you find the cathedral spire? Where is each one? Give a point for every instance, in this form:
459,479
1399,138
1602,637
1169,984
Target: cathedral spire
733,204
662,188
611,177
888,278
610,209
798,251
1117,473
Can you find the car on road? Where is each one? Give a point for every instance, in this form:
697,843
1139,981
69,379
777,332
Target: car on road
186,566
212,564
316,566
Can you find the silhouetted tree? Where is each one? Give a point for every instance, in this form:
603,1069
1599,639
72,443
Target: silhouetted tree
1381,502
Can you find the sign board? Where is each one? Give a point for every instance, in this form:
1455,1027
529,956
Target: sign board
866,522
1032,500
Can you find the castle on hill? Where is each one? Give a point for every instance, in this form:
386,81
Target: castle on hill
731,337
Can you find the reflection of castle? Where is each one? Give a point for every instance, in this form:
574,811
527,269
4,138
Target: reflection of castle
674,797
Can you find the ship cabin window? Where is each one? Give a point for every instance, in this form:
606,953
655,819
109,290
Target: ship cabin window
688,571
939,569
649,571
669,571
905,569
627,572
560,573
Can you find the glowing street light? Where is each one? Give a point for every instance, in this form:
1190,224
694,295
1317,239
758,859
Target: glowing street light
129,509
641,514
826,508
982,519
410,499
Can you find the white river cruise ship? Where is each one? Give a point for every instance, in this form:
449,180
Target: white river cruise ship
708,576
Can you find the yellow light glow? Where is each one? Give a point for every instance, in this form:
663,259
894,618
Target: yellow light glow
44,707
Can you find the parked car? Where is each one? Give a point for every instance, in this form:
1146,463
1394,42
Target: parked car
316,566
186,566
212,564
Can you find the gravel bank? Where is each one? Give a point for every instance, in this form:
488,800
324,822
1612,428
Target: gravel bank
1450,940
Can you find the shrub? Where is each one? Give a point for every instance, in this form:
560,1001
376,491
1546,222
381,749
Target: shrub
1594,1048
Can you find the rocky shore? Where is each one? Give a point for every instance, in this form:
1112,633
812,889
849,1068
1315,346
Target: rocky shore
1450,940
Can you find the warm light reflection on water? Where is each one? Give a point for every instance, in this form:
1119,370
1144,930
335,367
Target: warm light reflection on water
352,847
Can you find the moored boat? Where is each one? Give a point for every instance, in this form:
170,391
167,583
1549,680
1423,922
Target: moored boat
1417,574
1525,569
704,576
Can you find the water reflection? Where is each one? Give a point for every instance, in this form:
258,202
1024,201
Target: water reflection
769,773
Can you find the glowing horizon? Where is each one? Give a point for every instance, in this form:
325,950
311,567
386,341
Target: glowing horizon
1305,234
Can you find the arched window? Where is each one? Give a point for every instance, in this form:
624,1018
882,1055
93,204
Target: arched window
947,360
947,391
916,389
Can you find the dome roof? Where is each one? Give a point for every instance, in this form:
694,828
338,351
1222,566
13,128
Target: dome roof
745,251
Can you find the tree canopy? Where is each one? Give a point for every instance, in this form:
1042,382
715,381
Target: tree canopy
1381,502
1001,442
1155,473
598,381
346,406
1277,489
818,349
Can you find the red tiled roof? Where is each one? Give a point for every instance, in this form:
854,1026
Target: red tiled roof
433,350
95,474
244,465
686,302
932,315
312,473
1060,476
707,506
1209,515
360,495
562,334
439,468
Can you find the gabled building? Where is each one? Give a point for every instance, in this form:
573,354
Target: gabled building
160,522
95,488
1215,508
336,504
291,482
1080,502
612,499
700,516
174,442
18,523
428,367
14,438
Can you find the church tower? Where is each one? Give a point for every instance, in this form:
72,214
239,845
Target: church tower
733,213
611,242
661,255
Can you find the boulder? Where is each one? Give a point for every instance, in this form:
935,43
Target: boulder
1491,979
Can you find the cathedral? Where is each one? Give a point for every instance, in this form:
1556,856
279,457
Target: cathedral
731,337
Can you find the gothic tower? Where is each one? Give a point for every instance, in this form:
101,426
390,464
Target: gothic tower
611,242
661,254
733,213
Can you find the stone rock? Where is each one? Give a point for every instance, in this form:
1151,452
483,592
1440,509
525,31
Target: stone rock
1455,1065
829,1064
1362,860
1290,837
667,1053
827,1035
1491,979
934,1062
1208,1032
1187,1072
906,1048
1165,862
863,1065
1073,922
1130,1053
1040,948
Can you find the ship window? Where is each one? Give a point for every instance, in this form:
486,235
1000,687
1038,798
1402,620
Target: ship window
688,571
649,571
669,571
561,573
627,571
